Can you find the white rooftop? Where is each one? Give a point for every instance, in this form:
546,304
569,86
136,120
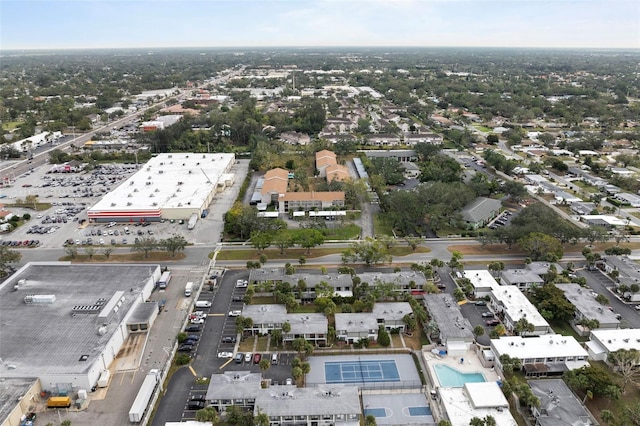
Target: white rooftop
460,409
612,340
546,346
486,395
173,181
516,305
610,220
586,304
481,279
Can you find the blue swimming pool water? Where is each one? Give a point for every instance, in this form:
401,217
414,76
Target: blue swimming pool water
419,411
452,378
376,412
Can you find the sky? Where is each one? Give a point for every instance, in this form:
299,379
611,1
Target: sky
60,24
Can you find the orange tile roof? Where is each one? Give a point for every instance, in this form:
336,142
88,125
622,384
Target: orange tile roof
312,196
325,158
337,172
275,181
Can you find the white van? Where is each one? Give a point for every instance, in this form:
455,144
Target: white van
188,289
203,304
274,359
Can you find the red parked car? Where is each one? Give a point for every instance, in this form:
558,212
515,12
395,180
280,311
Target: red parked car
257,358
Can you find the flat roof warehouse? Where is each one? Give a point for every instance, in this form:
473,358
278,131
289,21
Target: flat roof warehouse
169,186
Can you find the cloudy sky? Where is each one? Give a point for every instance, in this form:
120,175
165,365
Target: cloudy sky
43,24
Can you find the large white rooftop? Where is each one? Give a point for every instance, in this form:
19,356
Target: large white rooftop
481,278
460,409
169,181
612,340
516,305
547,346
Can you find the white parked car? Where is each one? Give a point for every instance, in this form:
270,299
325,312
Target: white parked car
225,354
235,313
242,283
247,357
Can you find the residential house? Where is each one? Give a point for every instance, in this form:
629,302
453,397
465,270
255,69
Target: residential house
391,315
353,327
480,212
401,155
454,331
295,138
292,201
541,356
383,140
482,281
413,139
606,221
511,305
524,279
480,400
630,199
312,327
275,185
558,405
324,159
582,208
628,273
337,172
587,308
602,342
238,388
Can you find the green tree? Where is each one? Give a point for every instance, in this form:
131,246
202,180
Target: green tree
283,240
7,257
208,414
264,364
370,420
369,251
523,326
627,363
173,244
383,337
90,251
551,303
309,238
478,331
145,245
71,251
541,246
260,240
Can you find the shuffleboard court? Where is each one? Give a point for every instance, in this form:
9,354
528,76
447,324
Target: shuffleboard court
358,371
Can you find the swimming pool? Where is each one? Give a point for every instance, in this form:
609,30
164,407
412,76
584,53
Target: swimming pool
451,378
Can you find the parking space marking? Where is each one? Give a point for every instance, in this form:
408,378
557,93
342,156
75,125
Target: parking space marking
226,363
216,315
193,371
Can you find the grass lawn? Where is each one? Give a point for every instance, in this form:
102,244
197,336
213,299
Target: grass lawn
247,344
36,206
503,249
381,227
565,329
11,125
294,254
155,256
345,232
586,187
262,343
482,128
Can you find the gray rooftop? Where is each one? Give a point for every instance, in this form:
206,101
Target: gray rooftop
50,335
515,276
586,304
542,268
318,400
11,391
362,322
558,404
392,311
445,311
234,385
480,209
277,314
628,269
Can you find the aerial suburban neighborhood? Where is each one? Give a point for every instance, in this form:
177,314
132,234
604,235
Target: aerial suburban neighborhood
320,237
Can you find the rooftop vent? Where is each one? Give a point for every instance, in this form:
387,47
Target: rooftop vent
129,203
39,299
113,204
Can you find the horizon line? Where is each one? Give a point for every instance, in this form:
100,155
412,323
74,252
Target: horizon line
322,47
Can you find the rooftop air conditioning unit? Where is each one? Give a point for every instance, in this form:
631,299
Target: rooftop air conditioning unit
113,204
129,203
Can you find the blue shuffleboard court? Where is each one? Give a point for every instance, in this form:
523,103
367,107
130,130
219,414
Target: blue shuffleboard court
369,371
376,412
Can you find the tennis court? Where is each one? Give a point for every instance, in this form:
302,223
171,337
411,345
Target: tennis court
361,371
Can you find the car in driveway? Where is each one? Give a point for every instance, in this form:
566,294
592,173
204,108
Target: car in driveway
492,322
257,358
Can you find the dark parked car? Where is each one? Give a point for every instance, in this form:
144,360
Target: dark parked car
481,303
185,348
196,405
199,397
228,339
193,337
238,299
193,328
487,315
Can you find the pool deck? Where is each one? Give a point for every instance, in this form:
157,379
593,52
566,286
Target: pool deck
471,364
